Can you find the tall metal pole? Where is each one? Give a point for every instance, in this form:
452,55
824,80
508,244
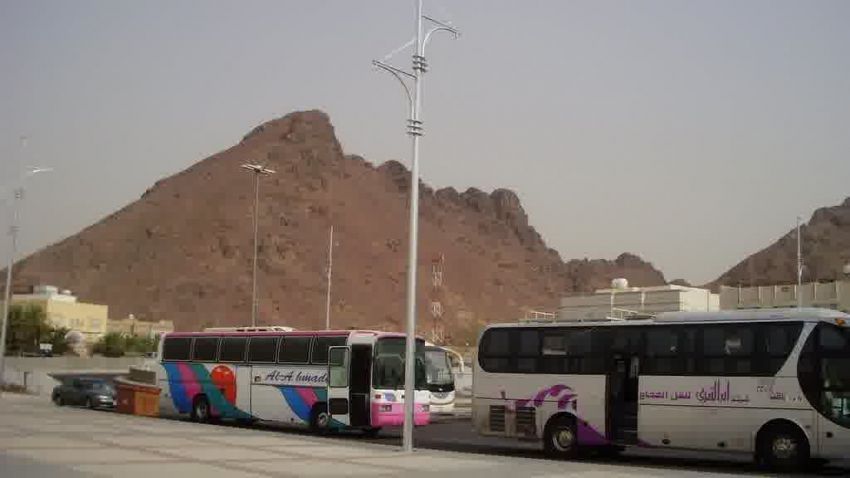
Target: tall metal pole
13,250
258,170
7,295
410,330
799,266
330,272
256,248
414,129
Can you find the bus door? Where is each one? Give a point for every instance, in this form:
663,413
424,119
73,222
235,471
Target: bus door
622,416
361,384
339,390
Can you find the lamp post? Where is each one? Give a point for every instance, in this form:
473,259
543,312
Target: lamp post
13,234
415,130
330,272
258,170
799,266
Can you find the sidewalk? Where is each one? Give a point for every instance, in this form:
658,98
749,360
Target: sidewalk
40,439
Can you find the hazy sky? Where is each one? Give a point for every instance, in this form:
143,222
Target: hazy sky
691,133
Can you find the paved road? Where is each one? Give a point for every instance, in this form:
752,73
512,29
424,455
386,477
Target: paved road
38,439
458,435
455,433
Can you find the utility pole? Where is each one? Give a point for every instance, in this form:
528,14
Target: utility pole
13,234
258,170
330,272
799,266
415,130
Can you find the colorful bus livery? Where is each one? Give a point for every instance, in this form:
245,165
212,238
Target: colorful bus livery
321,379
771,383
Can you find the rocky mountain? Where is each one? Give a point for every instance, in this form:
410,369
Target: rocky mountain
825,251
183,251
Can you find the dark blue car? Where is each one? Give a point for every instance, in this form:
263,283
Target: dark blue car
88,392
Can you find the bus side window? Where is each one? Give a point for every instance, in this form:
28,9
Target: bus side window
775,344
319,356
233,349
662,352
528,351
205,349
176,348
294,349
262,349
495,351
728,349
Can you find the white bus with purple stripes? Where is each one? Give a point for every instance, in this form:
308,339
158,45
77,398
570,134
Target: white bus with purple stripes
771,383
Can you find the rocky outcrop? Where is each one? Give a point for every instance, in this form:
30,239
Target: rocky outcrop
825,250
183,251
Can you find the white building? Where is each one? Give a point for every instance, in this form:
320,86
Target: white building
828,295
622,300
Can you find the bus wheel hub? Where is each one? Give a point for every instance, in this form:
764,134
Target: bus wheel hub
564,439
784,447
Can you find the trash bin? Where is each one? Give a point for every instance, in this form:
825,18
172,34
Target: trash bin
136,398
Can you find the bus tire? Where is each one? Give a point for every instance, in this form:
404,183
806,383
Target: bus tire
201,409
320,419
782,447
560,439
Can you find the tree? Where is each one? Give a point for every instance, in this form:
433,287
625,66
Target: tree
111,345
141,345
56,337
27,327
115,344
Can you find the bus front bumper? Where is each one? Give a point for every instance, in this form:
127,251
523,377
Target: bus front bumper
392,414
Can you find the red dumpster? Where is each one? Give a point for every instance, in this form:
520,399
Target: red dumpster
136,398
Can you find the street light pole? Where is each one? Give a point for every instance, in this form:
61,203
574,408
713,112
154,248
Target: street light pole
415,130
13,233
258,170
799,266
330,272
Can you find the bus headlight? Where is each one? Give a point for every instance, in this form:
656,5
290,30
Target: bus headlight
426,408
386,407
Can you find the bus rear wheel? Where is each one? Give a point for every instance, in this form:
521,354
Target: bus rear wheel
559,438
201,409
783,448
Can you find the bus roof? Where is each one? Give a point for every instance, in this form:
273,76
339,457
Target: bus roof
275,333
806,314
791,314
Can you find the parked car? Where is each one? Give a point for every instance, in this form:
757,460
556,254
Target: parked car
89,392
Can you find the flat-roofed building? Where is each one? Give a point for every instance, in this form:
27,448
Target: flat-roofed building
622,301
64,310
827,295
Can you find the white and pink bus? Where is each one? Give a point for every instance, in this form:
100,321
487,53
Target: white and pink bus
771,383
317,379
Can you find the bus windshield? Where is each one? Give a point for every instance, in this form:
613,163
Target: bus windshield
438,367
388,367
824,372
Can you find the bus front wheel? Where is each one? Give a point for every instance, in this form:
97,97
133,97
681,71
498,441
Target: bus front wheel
559,438
783,447
320,419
